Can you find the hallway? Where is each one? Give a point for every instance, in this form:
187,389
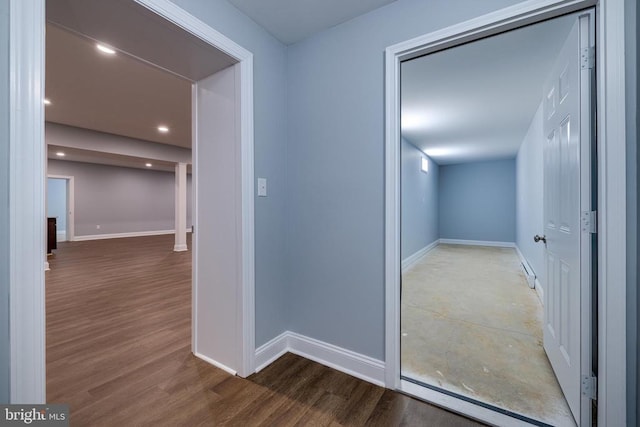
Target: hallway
119,353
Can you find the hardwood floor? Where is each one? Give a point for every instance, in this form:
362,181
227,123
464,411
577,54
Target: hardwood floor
118,352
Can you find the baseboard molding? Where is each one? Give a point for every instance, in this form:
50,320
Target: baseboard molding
124,235
61,236
410,261
271,351
478,243
343,360
539,291
531,275
215,363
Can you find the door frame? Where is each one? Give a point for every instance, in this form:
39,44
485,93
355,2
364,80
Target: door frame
611,177
71,204
27,190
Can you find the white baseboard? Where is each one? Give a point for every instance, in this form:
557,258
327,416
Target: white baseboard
343,360
61,236
478,243
539,291
521,255
410,261
271,351
123,235
215,363
531,275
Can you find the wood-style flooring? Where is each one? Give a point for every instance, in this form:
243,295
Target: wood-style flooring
118,352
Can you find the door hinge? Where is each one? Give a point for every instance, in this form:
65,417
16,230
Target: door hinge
587,58
589,222
589,387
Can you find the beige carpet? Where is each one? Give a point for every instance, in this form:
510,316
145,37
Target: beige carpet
471,325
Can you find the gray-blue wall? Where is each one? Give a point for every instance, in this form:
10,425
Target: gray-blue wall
121,200
335,169
270,76
57,202
4,201
478,201
419,201
530,194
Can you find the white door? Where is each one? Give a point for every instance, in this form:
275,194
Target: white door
566,194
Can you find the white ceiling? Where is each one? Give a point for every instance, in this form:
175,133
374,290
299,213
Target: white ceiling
123,94
476,101
148,81
116,94
472,102
132,28
293,20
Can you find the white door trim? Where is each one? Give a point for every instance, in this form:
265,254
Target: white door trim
27,190
27,213
611,181
71,205
612,233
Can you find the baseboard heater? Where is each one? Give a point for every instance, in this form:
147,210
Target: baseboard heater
531,276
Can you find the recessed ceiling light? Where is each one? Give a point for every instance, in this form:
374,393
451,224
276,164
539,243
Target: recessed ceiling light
105,49
148,165
47,101
60,154
163,129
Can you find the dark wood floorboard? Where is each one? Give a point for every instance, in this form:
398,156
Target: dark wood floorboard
118,352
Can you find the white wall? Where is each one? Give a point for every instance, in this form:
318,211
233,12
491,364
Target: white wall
219,332
529,191
121,200
270,140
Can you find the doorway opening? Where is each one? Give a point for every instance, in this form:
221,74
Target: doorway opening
60,202
494,237
28,330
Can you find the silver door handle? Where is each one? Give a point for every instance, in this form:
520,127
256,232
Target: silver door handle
537,238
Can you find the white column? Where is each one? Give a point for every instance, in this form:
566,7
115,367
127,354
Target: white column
181,208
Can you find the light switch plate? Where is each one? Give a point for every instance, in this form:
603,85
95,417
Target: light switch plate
262,187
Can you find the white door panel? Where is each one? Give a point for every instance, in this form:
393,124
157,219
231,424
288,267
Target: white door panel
565,283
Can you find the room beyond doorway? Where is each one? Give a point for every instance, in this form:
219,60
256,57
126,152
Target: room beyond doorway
479,165
471,325
27,333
